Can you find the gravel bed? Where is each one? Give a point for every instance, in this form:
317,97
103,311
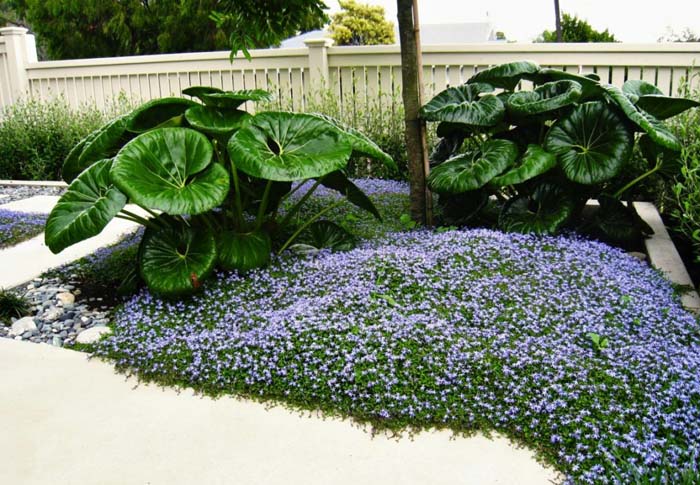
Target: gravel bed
60,316
18,192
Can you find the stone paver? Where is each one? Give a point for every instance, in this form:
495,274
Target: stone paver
67,420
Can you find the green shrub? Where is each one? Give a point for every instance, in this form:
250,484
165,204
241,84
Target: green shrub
684,199
12,305
380,117
36,135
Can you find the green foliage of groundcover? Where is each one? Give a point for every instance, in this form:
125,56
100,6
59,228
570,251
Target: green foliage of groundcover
12,305
36,136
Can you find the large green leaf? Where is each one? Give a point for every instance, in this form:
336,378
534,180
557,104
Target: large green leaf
656,130
90,202
338,181
667,162
361,144
102,143
200,91
243,252
591,143
159,113
233,99
327,235
170,169
506,76
465,104
461,209
663,107
214,121
548,97
289,146
620,223
471,171
176,257
637,88
446,148
544,212
590,85
535,161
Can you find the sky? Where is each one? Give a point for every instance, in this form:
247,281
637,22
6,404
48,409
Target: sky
523,20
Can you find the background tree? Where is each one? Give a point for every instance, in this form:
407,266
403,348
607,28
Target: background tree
9,14
574,29
69,29
685,35
361,24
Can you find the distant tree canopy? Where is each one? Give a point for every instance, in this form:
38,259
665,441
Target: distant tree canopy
574,29
685,35
70,29
361,24
9,15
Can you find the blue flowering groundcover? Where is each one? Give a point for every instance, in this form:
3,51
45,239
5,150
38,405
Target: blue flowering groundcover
15,227
469,330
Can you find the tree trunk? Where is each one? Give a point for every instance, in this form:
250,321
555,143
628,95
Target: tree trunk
412,92
558,20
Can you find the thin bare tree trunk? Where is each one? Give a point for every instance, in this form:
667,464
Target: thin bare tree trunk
558,20
411,73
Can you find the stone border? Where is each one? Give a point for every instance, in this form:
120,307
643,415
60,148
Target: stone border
664,256
32,183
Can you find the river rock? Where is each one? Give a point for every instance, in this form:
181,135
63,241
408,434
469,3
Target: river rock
22,325
92,335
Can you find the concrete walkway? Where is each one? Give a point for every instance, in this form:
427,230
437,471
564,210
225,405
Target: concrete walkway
27,260
66,420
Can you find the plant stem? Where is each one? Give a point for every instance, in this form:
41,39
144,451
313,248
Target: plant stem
141,221
298,205
637,180
307,224
263,205
136,218
237,194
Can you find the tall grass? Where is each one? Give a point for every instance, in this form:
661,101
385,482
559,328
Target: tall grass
684,201
36,136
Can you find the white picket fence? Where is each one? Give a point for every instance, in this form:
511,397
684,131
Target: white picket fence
352,73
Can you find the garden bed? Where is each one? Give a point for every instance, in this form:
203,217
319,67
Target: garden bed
16,227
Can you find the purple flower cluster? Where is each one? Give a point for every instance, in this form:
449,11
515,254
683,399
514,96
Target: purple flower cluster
371,187
18,226
467,329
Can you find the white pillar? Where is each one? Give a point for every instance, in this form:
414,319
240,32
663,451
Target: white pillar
318,61
20,51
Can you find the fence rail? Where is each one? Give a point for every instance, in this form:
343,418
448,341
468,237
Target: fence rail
355,73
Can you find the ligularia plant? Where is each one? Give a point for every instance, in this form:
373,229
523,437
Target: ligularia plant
538,155
209,179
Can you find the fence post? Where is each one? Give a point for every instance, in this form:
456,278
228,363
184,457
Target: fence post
20,51
318,61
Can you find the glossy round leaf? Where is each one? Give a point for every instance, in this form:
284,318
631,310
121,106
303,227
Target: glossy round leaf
175,258
214,121
544,212
460,209
656,130
637,88
102,143
663,107
90,202
669,162
233,99
200,91
506,76
466,104
590,85
289,146
535,161
620,223
361,144
159,113
170,169
547,97
328,235
591,143
339,182
471,171
243,252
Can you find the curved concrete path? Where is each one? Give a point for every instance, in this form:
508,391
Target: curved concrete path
66,420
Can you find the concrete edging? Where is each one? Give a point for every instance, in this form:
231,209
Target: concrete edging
34,183
664,256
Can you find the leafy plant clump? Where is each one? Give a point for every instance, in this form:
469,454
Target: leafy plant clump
12,305
209,179
568,346
16,227
541,154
